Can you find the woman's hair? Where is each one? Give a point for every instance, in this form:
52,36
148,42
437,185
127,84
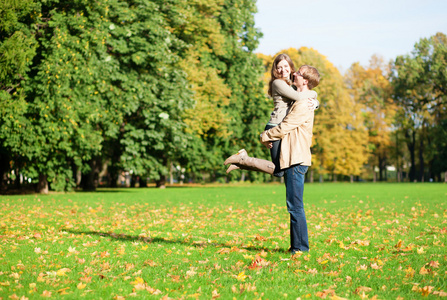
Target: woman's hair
311,74
274,74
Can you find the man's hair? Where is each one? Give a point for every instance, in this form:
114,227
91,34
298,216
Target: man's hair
311,74
274,74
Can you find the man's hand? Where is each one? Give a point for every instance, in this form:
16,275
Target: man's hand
267,144
313,104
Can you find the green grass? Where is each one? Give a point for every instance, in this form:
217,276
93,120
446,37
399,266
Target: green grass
384,241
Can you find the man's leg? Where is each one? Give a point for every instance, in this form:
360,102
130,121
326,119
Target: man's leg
294,179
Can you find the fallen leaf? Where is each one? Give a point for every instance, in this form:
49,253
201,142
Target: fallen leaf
215,294
62,271
424,271
434,264
426,290
81,285
241,276
362,289
46,294
421,250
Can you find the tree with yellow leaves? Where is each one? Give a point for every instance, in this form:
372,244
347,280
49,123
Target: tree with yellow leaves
370,88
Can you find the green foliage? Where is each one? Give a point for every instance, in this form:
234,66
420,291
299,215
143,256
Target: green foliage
419,81
122,83
17,49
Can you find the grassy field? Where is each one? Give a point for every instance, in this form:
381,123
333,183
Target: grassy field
368,241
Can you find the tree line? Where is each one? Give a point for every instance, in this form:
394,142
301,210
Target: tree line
163,89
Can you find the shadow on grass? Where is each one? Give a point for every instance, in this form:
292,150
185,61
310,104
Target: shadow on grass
159,240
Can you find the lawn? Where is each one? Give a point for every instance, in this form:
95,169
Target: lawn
368,241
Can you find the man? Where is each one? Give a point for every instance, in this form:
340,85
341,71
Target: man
295,133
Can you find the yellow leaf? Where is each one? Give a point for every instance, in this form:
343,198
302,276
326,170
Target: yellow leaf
241,276
424,271
335,297
63,291
196,295
62,271
138,280
81,285
426,290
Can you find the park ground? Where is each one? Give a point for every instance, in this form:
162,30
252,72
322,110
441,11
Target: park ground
368,241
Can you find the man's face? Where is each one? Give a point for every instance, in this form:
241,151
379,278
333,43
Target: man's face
298,79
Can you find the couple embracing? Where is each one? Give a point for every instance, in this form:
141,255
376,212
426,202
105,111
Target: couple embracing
288,134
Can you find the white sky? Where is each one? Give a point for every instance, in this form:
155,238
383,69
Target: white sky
348,31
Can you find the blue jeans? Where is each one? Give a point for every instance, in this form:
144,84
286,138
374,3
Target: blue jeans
275,151
294,179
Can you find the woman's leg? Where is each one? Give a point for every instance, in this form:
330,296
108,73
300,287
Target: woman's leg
275,152
241,160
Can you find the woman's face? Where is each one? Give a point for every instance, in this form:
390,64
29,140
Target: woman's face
283,69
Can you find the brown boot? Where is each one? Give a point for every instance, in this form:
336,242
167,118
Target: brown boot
242,161
236,158
232,167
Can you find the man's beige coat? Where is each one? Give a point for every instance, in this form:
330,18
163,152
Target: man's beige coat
295,131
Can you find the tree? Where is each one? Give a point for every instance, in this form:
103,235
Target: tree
105,75
419,87
249,108
17,49
371,89
225,76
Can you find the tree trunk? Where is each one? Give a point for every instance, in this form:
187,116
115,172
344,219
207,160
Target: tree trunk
398,171
143,182
171,175
380,168
42,185
161,183
411,148
112,177
421,159
90,180
4,169
77,174
351,178
311,179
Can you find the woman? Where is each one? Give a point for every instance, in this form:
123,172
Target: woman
283,95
